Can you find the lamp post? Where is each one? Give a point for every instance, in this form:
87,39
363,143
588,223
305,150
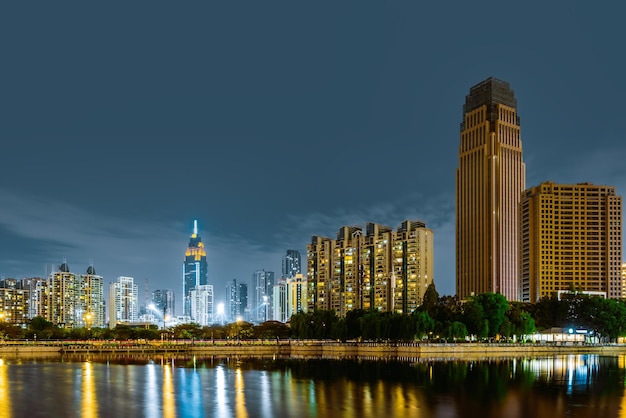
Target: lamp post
88,318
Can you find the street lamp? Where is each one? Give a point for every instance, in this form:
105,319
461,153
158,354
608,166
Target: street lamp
88,318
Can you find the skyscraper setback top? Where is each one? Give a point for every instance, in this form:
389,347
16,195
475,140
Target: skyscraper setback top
489,181
490,93
195,268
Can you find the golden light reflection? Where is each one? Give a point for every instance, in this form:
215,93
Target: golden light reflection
89,402
169,403
6,410
240,397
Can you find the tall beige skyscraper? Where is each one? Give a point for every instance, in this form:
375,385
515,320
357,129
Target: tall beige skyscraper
571,240
489,181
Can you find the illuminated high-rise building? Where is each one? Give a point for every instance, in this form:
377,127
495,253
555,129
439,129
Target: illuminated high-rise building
380,269
571,240
195,268
123,301
202,304
490,179
291,264
237,300
164,302
14,302
63,297
263,295
91,297
289,297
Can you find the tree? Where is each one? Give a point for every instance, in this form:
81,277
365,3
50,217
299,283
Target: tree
424,324
271,329
430,300
494,307
454,331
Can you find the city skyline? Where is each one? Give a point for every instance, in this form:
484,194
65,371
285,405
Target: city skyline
270,126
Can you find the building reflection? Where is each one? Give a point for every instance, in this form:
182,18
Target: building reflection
89,401
169,402
240,396
552,386
6,410
153,400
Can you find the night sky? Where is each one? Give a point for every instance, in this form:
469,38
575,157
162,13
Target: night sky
270,122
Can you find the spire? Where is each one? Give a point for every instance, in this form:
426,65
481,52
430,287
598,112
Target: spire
195,227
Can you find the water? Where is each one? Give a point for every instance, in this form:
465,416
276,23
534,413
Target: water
560,386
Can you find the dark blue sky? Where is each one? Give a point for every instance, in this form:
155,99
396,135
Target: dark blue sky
270,122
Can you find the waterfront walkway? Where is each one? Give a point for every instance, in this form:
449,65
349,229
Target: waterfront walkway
303,348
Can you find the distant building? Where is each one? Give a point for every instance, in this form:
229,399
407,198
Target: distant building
195,268
490,179
92,299
202,304
123,301
237,300
263,294
164,302
289,297
291,264
73,300
382,269
39,300
14,302
64,297
571,239
243,306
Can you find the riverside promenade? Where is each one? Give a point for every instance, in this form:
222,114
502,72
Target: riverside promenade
304,348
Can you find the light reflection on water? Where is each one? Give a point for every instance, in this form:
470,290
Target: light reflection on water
574,385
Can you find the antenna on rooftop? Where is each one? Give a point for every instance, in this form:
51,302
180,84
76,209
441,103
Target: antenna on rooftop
195,227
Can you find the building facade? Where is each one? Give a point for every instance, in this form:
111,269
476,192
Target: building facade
289,297
263,295
14,302
195,268
69,300
571,240
490,179
380,269
202,304
123,301
164,302
237,300
292,264
92,300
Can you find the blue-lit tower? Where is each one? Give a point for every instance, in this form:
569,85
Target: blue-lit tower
195,268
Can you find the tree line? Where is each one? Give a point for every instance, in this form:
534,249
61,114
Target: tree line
487,316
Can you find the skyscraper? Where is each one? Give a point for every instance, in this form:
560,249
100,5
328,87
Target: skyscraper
92,300
195,269
164,302
571,240
291,264
123,301
263,295
489,181
202,304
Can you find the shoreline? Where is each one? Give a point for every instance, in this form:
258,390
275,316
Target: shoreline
308,348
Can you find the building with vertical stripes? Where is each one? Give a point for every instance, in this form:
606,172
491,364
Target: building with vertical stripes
490,179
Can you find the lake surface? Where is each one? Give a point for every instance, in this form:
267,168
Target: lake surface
161,386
